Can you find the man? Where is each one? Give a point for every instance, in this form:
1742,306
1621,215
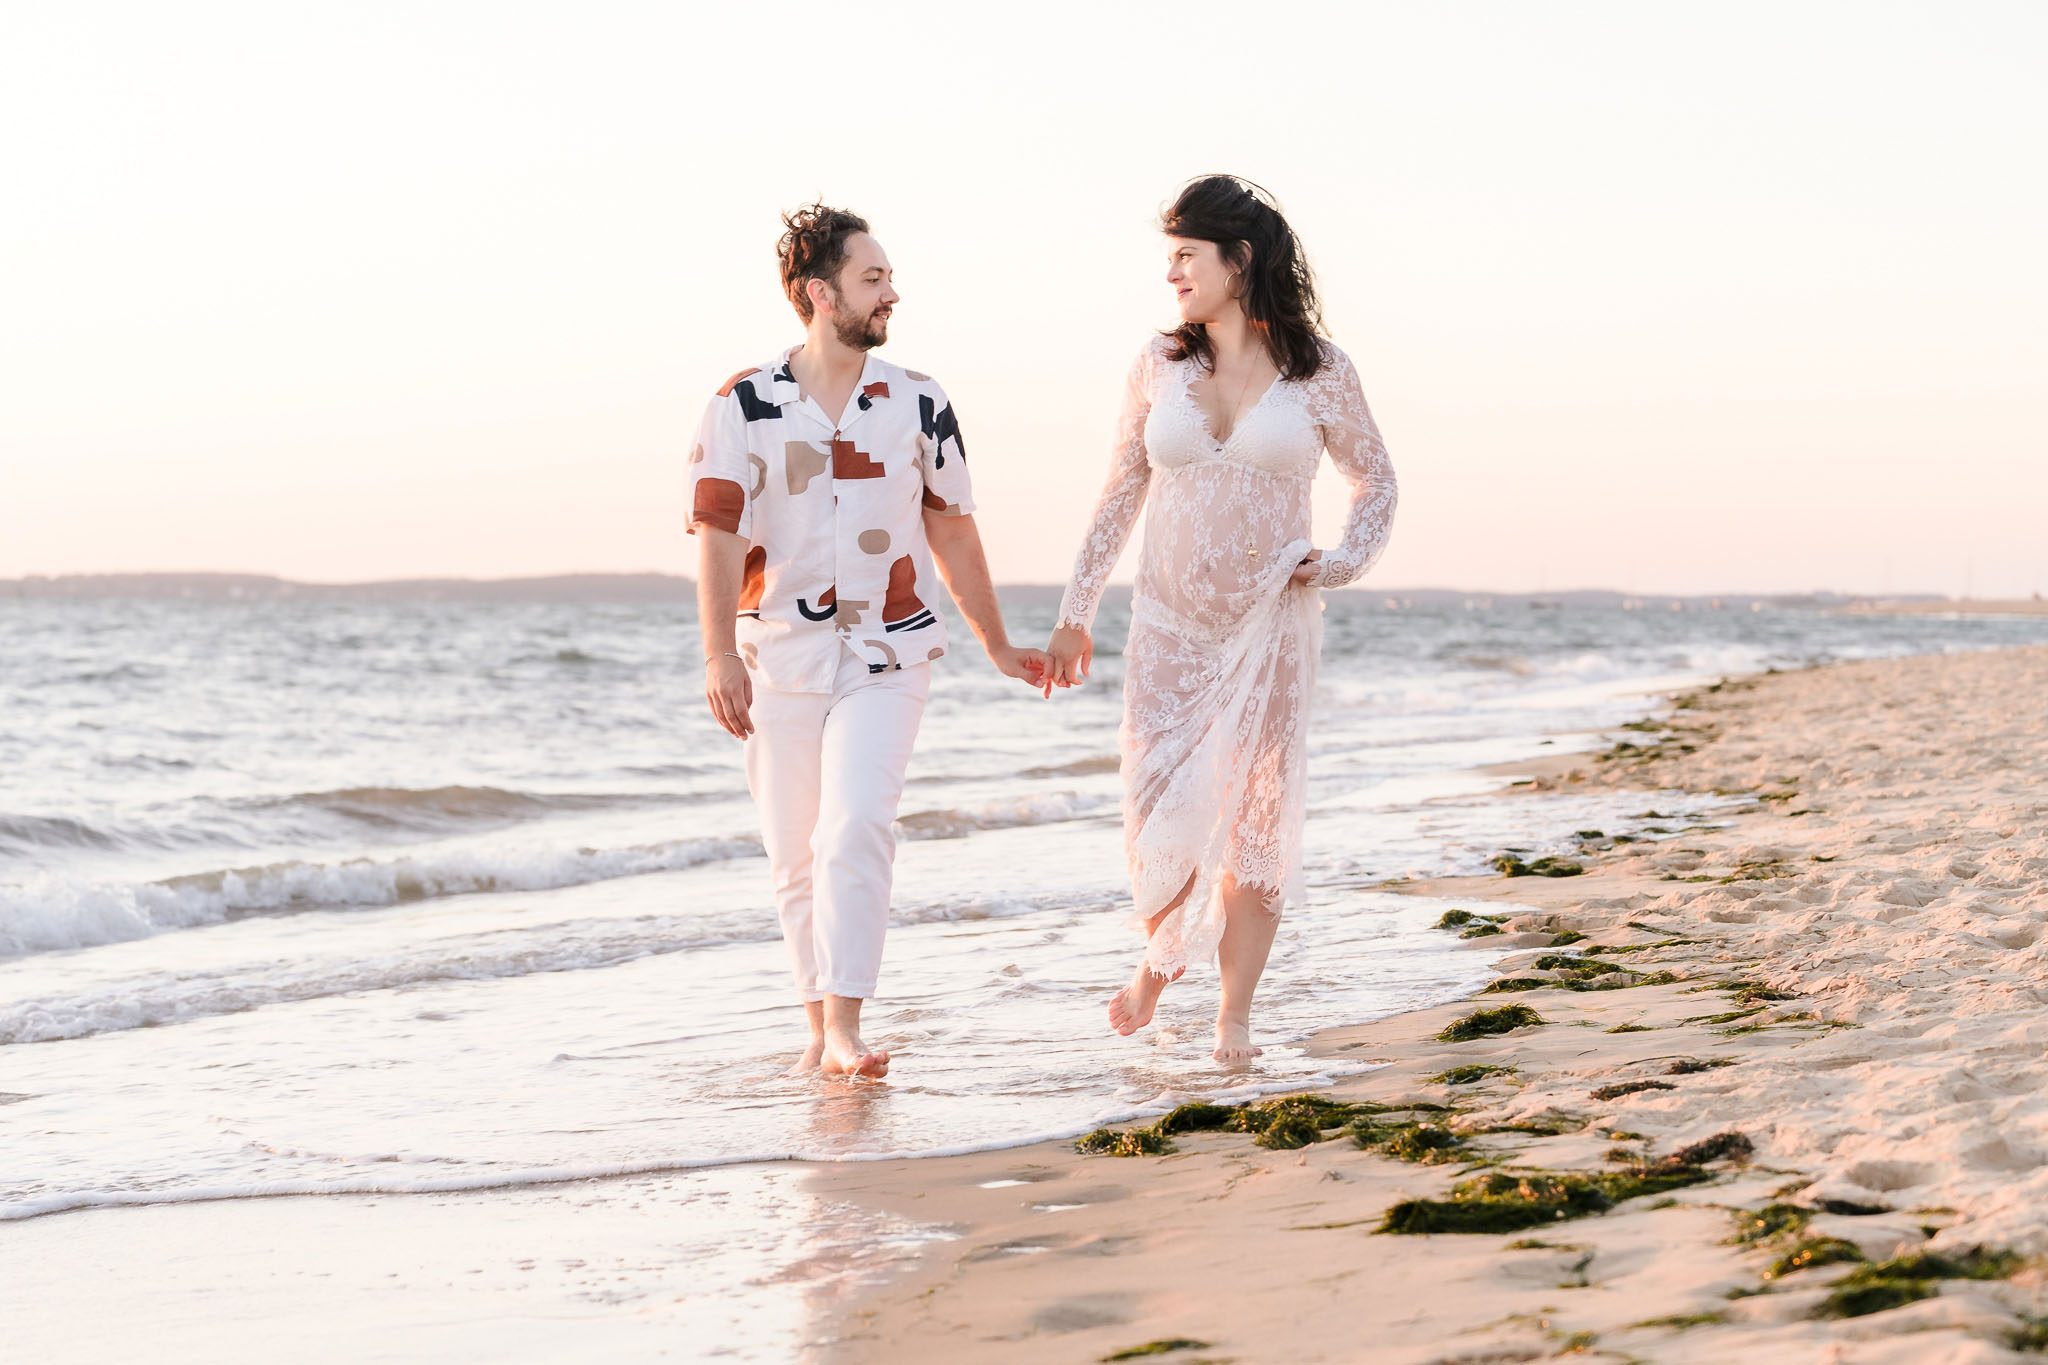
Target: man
822,487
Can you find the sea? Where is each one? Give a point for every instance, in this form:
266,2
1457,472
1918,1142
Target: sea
409,898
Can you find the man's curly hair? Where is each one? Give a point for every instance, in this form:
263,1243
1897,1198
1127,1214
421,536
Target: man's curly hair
813,247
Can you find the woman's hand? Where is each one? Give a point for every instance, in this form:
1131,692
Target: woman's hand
731,694
1072,650
1306,571
1030,665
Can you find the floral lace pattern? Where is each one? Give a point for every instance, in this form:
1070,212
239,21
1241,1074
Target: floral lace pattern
1221,661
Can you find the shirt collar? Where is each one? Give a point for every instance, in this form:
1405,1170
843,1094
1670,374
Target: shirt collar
876,383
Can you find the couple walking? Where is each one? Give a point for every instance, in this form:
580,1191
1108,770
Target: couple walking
827,483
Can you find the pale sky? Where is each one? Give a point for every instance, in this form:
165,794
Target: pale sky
1720,297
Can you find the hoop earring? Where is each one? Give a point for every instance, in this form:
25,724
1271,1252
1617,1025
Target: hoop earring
1230,285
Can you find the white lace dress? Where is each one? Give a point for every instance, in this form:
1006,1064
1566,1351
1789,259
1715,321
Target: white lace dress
1222,656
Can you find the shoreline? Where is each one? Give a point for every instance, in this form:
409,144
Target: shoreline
1883,875
1060,1255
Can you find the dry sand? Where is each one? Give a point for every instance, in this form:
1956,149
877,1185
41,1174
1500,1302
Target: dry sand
1883,869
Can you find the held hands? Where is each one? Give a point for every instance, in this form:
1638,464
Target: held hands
731,694
1306,571
1026,665
1072,651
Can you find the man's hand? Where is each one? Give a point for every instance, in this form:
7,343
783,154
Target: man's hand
1028,665
1072,651
731,694
1306,570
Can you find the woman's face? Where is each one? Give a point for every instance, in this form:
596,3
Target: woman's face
1201,279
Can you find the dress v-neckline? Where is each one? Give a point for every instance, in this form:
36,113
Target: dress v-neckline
1202,417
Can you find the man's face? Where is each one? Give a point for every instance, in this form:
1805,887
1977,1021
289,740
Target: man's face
859,303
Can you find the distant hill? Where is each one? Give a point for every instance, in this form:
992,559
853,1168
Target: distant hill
236,587
657,587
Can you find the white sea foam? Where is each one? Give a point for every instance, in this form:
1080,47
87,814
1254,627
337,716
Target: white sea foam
158,999
51,912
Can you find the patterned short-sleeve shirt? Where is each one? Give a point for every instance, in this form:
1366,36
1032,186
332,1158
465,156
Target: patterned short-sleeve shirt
833,515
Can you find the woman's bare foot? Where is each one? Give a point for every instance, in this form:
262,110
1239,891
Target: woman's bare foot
1130,1009
845,1055
1234,1041
806,1064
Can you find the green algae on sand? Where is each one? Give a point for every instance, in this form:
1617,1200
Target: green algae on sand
1812,1251
1163,1346
1506,1201
1873,1288
1485,1023
1283,1124
1769,1222
1469,1074
1511,865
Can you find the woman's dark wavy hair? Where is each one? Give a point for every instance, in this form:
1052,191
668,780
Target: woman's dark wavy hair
813,247
1276,289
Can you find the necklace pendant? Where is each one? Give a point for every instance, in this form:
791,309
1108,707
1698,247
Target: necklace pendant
1251,554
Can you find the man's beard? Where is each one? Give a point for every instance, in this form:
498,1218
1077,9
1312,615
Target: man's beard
861,334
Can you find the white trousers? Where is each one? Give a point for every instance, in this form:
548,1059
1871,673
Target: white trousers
826,771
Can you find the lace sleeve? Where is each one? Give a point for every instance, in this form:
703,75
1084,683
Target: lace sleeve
1116,511
1353,441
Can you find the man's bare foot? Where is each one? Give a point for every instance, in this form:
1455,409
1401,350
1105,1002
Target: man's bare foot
1234,1041
1130,1009
845,1055
806,1064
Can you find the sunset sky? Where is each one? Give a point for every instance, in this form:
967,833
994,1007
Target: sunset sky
1742,297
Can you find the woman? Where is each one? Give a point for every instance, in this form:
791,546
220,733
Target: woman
1224,421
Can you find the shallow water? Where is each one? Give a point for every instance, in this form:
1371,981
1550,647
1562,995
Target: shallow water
422,898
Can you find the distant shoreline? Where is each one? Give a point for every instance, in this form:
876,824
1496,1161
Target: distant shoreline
629,588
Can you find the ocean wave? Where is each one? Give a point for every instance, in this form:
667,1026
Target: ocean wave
417,807
26,833
50,913
1513,664
954,822
1092,766
561,656
153,1001
312,816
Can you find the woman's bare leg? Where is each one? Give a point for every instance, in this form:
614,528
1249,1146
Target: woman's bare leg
1248,929
1131,1008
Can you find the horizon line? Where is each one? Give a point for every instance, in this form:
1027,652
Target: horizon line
225,576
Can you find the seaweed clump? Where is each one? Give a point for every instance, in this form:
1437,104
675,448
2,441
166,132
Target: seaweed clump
1511,865
1485,1023
1470,925
1282,1124
1812,1251
1163,1346
1767,1223
1689,1065
1621,1088
1469,1074
1502,1201
1124,1142
1580,974
1904,1279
